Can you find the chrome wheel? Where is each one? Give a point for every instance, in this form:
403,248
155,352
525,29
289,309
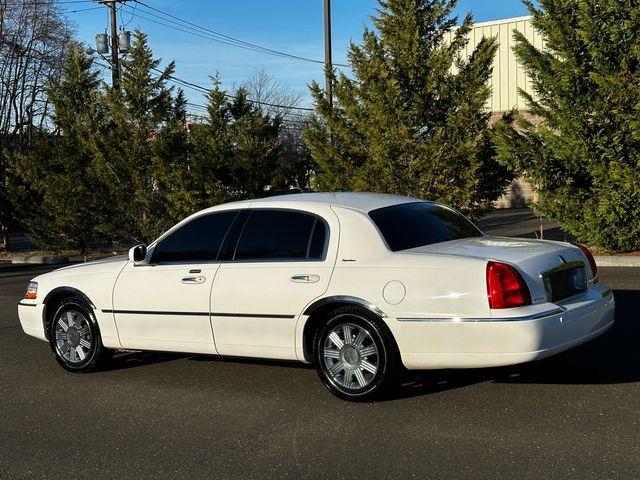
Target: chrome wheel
73,338
350,356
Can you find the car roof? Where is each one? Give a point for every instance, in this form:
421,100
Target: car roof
362,201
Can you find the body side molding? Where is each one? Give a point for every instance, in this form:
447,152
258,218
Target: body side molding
342,299
200,314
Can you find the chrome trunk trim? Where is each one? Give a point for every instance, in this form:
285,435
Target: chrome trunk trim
535,316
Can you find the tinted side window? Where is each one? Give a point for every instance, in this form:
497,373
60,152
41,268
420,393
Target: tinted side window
317,240
231,240
411,225
198,240
280,234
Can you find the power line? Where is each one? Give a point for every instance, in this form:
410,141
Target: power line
286,121
257,102
82,10
46,4
130,19
222,38
202,89
209,33
191,32
205,107
197,105
240,43
52,4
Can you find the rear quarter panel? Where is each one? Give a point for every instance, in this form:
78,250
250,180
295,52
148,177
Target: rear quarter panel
405,285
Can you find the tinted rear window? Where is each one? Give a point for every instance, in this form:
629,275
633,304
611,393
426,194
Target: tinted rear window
417,224
281,234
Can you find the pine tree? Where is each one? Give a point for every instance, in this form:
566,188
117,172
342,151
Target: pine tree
59,198
235,152
137,115
232,155
584,156
188,162
211,153
255,145
412,119
172,168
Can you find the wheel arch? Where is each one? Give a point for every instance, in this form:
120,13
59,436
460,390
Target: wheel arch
54,297
318,310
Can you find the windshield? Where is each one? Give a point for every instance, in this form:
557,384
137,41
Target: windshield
411,225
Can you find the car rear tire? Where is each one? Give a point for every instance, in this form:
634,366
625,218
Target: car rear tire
74,337
355,355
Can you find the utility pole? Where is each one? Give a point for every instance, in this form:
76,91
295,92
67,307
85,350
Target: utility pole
115,62
327,51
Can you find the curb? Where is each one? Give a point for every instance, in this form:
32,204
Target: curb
617,261
47,260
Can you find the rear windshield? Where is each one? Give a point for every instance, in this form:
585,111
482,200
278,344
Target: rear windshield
411,225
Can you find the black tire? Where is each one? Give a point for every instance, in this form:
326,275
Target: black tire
74,337
364,368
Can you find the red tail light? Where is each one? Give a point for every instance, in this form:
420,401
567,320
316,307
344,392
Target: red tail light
506,287
592,262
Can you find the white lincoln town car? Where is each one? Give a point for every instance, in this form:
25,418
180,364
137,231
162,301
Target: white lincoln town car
359,284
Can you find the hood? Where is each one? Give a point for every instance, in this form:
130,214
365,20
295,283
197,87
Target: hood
104,265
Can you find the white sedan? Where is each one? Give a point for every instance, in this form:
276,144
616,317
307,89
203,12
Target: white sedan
358,284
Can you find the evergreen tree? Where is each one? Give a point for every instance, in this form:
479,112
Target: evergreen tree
232,155
412,120
137,115
210,156
584,156
235,153
172,169
54,188
255,148
188,162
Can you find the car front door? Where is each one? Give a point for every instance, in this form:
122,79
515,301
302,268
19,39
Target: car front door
164,304
282,261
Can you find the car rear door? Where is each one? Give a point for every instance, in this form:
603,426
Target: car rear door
281,262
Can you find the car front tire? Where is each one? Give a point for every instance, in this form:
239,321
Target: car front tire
74,337
355,354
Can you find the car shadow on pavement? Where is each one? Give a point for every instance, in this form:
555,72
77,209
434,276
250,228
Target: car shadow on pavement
123,360
611,358
252,361
131,359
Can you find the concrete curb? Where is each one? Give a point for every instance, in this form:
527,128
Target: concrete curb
617,261
48,260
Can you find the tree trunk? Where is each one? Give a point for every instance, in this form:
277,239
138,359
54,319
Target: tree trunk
5,234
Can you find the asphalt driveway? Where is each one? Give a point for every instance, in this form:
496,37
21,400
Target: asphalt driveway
176,416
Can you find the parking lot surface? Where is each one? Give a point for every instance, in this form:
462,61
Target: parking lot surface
154,415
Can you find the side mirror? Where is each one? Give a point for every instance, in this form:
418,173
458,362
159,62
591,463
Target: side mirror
138,253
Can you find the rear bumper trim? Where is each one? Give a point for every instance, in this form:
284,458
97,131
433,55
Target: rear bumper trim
535,316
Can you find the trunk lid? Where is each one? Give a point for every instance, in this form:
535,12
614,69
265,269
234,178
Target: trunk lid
534,259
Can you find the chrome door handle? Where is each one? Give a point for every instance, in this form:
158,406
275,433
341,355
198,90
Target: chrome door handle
194,279
304,278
